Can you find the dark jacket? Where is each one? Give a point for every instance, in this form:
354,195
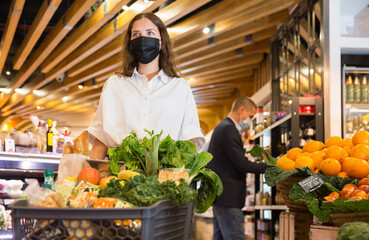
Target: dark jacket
230,163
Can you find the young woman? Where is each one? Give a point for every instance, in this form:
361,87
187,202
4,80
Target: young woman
148,94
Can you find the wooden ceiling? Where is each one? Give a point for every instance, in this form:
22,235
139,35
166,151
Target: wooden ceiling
49,47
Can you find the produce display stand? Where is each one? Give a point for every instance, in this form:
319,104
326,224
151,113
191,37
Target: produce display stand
163,220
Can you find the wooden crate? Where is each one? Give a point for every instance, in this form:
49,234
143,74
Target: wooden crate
318,232
294,225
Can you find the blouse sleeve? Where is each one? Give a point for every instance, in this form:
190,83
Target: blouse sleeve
190,129
96,129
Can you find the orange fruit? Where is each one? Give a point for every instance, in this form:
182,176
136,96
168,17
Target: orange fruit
330,167
360,151
346,142
312,146
359,193
324,150
316,171
358,168
303,154
350,185
361,136
336,152
348,149
293,152
285,163
318,157
333,141
305,161
343,175
346,163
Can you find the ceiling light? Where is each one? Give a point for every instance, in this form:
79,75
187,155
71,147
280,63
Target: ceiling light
7,72
80,86
146,1
290,101
65,99
125,7
206,30
38,107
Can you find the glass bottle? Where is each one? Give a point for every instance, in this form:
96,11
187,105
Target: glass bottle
49,179
364,91
49,137
357,90
349,90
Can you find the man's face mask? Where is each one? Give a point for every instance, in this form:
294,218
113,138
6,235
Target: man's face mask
145,49
245,123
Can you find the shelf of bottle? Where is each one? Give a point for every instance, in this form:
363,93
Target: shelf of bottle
276,124
264,207
357,105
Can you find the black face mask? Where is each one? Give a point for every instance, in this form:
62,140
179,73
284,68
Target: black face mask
145,49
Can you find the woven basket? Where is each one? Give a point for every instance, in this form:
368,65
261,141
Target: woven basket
340,218
285,187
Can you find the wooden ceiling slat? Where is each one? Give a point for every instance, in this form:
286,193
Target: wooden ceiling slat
222,10
254,13
222,85
104,53
61,29
218,51
179,9
219,61
224,65
14,14
222,80
237,65
112,63
44,15
239,40
102,15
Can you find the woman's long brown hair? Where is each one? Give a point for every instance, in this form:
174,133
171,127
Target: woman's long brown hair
166,58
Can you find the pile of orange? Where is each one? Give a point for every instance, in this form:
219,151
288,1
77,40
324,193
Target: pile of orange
336,157
352,191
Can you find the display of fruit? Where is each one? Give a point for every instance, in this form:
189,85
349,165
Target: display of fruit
336,157
105,180
90,175
352,191
127,174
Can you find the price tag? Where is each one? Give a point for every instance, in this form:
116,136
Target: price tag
311,183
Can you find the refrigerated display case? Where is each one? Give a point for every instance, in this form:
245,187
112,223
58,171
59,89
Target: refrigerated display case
355,100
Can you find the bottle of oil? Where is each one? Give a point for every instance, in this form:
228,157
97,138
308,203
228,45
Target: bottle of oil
349,90
364,91
49,136
357,90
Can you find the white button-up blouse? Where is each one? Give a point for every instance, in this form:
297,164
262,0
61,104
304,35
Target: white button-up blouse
135,104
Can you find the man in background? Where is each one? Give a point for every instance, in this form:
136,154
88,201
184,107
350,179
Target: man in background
231,165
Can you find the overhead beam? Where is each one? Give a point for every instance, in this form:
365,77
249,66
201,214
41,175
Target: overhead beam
39,24
255,13
12,20
224,38
102,15
61,29
222,10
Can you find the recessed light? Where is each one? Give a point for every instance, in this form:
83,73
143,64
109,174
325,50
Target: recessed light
7,72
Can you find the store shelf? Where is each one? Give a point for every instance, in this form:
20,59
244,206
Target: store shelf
357,105
248,209
270,207
276,124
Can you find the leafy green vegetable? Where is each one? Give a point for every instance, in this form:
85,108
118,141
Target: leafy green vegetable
168,154
343,205
211,187
145,191
258,151
313,199
354,231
